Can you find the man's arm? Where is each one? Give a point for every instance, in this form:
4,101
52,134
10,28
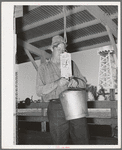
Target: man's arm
43,88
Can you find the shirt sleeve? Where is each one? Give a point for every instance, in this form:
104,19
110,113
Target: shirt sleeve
41,87
81,79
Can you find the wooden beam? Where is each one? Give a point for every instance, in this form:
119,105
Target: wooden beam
99,113
43,54
73,28
85,38
114,113
112,94
33,118
88,47
31,59
76,27
103,17
93,46
90,37
37,105
18,11
31,7
53,18
91,104
104,121
102,104
112,91
92,114
112,43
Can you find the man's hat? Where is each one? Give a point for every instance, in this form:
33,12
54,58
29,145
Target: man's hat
57,40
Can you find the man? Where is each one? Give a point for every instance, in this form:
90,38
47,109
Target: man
49,85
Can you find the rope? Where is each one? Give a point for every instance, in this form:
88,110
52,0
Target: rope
65,36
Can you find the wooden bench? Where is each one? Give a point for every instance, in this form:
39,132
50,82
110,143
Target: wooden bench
100,113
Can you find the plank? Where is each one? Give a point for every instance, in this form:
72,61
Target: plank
101,121
18,11
103,17
102,104
99,113
91,104
93,113
33,119
34,105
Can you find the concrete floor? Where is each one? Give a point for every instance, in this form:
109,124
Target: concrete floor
30,137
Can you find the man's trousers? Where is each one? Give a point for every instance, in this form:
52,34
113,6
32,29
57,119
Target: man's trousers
61,129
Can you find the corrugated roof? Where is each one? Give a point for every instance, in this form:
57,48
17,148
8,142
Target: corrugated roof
84,28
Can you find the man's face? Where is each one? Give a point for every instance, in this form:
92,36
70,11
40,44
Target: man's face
60,48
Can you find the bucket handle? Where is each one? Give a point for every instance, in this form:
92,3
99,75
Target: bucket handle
73,77
77,80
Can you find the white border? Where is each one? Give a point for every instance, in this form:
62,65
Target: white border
8,77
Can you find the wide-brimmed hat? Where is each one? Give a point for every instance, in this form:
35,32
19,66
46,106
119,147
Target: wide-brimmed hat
57,40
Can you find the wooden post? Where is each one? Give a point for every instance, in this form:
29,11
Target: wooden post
40,52
43,123
112,94
112,91
32,60
114,124
18,11
112,43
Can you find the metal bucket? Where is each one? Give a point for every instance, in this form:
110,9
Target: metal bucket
74,103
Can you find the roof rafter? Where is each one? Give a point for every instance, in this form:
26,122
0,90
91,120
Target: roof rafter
33,49
82,39
31,7
73,28
93,46
47,20
103,17
90,37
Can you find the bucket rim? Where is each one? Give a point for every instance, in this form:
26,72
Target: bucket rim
76,89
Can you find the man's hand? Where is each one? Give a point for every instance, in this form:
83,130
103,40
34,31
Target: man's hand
73,83
63,81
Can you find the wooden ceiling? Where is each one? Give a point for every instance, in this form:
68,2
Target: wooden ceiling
87,27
